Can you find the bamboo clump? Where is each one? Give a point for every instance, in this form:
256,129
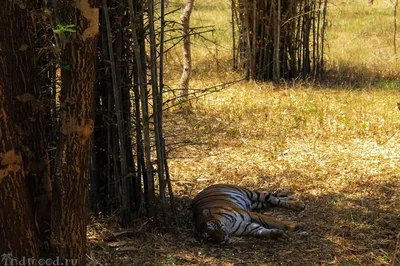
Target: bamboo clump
281,39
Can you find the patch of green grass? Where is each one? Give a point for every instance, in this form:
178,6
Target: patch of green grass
360,40
347,263
389,85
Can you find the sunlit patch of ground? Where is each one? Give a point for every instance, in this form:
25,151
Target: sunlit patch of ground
337,150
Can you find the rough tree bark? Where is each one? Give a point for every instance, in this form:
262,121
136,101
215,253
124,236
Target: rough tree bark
25,97
17,232
78,66
25,127
187,56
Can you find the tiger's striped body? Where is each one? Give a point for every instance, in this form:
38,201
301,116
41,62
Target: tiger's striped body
222,211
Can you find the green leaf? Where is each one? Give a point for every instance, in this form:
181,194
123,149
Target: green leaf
61,28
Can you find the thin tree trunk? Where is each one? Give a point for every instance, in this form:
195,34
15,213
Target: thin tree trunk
234,60
156,112
140,64
125,212
139,142
163,3
160,97
69,206
277,35
254,45
395,26
187,54
324,4
249,61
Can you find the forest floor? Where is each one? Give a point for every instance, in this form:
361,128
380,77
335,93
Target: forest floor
337,150
334,144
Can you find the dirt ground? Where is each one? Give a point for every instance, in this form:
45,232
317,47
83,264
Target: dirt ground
364,233
348,178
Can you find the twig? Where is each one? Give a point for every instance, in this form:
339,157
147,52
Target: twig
395,250
204,92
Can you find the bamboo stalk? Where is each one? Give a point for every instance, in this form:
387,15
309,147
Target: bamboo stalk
282,39
277,41
324,3
395,4
254,45
234,61
139,58
125,212
156,112
168,180
139,141
164,4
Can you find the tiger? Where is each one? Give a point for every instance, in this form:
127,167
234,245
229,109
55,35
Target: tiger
222,211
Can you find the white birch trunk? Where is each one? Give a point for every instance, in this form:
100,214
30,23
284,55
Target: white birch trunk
187,56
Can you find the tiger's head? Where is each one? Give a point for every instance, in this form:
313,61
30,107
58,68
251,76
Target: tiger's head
214,230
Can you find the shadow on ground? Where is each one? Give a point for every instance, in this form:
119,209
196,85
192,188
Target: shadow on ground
345,76
339,229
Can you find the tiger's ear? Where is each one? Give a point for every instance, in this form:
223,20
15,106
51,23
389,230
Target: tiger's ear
206,213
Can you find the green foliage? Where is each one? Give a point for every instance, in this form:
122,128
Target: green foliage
60,29
66,66
389,84
346,263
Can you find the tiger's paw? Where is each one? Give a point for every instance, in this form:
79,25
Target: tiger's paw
276,233
294,203
227,242
298,227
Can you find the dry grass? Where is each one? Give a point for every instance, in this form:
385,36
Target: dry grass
337,148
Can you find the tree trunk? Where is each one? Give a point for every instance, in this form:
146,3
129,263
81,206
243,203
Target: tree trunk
22,101
234,62
187,55
138,37
25,97
395,4
17,232
78,63
277,37
156,105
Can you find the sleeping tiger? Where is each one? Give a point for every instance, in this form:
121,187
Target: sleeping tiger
222,211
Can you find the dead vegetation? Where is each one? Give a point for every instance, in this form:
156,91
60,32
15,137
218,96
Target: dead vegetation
334,146
337,150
